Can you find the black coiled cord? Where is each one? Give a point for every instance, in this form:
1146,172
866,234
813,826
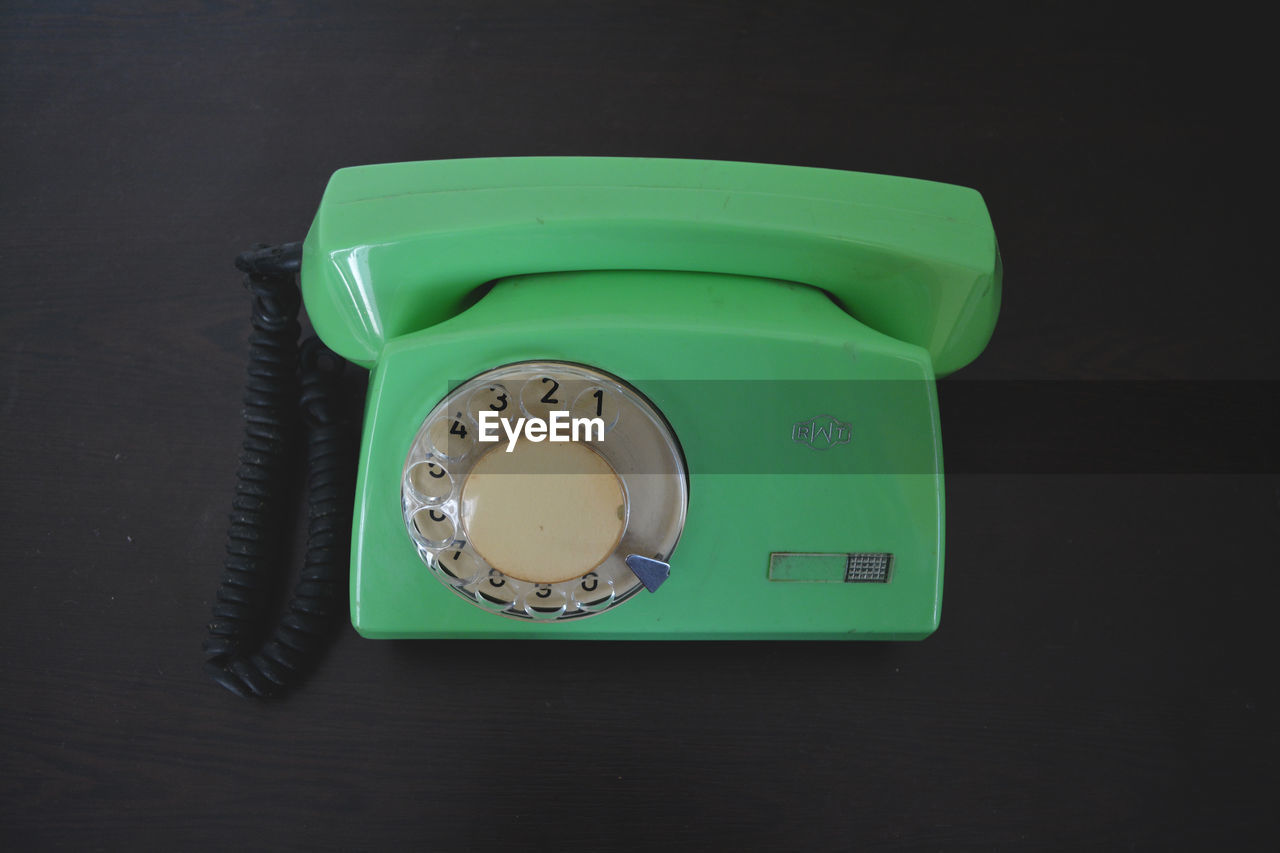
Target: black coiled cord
283,379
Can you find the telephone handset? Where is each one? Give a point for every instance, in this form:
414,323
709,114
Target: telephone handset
618,398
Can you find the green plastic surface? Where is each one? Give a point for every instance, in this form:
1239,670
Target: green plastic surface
398,247
727,294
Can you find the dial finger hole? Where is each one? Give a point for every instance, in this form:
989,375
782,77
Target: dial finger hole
429,481
542,395
434,527
458,565
593,592
452,436
544,602
598,402
493,398
495,589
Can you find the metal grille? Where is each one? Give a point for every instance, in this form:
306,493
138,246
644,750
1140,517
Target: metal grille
867,567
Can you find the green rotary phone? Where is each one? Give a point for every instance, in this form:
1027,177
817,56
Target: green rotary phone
616,398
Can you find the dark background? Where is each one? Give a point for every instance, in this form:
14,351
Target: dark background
1105,671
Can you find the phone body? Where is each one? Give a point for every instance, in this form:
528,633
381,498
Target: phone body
764,338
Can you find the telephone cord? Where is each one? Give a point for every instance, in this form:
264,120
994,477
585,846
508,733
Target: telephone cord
283,380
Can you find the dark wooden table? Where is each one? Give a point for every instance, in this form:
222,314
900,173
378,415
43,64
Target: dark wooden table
1105,671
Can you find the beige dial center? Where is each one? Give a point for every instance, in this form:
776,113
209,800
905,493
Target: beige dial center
545,512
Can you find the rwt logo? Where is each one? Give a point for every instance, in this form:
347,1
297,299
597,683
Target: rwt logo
821,432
